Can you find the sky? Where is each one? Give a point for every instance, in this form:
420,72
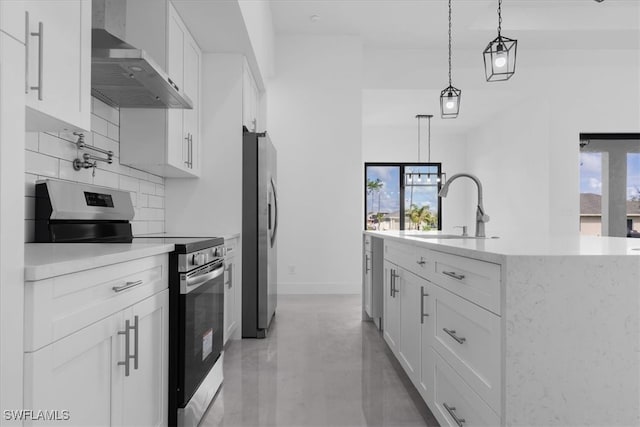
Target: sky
591,173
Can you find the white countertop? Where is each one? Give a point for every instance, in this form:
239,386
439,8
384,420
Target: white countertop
525,245
45,260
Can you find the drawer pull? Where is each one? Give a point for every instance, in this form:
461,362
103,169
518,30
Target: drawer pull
366,264
422,313
394,276
421,262
452,334
127,286
452,411
454,275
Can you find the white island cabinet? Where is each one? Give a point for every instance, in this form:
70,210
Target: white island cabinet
232,291
507,332
96,339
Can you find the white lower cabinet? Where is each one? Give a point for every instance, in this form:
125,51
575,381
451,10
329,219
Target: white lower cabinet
449,345
232,291
110,371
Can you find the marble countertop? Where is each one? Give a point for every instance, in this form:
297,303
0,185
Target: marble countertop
493,249
45,260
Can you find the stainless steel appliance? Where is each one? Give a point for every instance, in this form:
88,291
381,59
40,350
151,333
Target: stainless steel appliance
259,234
122,75
69,213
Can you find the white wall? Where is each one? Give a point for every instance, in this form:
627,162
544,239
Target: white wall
315,122
528,155
212,204
259,23
50,155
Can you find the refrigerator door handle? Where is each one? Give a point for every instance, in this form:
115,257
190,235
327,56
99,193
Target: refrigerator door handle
275,219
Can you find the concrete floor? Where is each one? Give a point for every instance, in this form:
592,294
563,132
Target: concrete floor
320,366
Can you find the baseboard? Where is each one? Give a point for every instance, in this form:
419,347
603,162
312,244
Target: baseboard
319,288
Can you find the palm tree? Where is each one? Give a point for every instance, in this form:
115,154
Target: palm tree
374,186
421,215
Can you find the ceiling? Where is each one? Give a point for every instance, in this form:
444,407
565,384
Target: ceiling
423,23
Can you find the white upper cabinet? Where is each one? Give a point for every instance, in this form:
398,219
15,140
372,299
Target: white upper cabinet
57,37
250,99
12,18
164,142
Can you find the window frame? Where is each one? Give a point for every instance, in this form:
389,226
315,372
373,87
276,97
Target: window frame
402,166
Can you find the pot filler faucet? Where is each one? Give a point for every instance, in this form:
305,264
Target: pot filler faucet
481,217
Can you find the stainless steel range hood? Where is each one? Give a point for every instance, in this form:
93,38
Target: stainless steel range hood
122,75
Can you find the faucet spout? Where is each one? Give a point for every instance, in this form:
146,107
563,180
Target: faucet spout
481,216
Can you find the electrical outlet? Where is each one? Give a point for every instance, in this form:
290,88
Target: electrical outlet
292,269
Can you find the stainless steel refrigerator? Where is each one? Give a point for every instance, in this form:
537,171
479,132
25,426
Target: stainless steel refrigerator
259,234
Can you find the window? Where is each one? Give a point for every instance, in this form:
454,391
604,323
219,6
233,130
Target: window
402,196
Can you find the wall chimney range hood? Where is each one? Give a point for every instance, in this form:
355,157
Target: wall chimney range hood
122,75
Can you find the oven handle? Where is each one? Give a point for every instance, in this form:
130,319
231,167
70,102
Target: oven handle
196,281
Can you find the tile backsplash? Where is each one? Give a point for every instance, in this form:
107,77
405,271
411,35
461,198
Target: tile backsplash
50,155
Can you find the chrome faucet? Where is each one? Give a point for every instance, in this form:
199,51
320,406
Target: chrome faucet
481,217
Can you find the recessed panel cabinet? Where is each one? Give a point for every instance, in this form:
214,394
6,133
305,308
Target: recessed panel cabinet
57,80
232,291
164,142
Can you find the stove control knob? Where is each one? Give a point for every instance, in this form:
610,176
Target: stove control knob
220,251
199,259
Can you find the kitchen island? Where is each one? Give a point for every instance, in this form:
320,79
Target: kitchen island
524,331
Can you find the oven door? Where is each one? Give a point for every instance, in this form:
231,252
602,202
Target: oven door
201,326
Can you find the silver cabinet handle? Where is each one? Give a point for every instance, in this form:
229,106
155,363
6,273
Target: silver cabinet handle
366,263
190,151
394,290
40,35
186,158
452,334
422,313
229,269
421,262
135,341
453,274
127,286
452,411
127,328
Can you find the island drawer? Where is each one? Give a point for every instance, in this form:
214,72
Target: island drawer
472,279
415,259
367,242
468,337
59,306
456,404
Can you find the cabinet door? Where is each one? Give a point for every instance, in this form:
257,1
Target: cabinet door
59,63
144,391
410,323
177,143
12,18
392,306
249,99
230,315
366,282
192,89
427,332
75,373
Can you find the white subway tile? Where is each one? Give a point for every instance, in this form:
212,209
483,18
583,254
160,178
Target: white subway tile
155,227
31,141
143,200
106,179
30,184
113,132
56,147
156,202
105,111
156,179
129,184
134,201
106,144
29,231
67,172
150,214
147,187
137,173
98,125
139,227
41,164
29,208
159,190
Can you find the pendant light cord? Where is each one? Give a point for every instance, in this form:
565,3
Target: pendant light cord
429,141
449,42
499,17
418,139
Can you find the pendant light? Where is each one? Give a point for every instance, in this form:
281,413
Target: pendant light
424,178
450,96
500,55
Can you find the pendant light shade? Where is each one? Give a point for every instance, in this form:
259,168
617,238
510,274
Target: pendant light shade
450,96
450,102
500,55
